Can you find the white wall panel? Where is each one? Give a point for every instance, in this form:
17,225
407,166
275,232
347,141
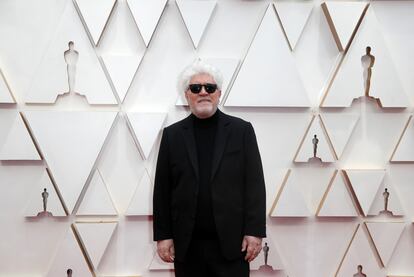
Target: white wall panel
121,165
279,82
95,238
343,18
315,140
95,14
44,89
196,15
70,143
385,236
147,14
5,94
96,200
294,15
361,253
69,256
15,140
349,83
337,200
35,206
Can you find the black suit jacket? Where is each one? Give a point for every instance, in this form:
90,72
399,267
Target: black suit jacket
237,185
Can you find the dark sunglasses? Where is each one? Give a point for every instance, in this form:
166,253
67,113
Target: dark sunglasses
196,88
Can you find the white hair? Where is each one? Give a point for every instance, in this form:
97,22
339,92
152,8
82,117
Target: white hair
199,67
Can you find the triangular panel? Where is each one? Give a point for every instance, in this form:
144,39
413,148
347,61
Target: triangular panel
349,82
294,15
339,127
387,198
337,200
196,15
147,13
95,238
321,143
15,141
69,256
289,201
121,164
385,236
77,66
359,253
141,203
122,70
365,184
53,204
146,127
404,151
343,18
279,81
70,143
95,14
97,200
5,94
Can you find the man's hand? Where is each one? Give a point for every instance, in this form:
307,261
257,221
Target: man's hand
165,249
253,245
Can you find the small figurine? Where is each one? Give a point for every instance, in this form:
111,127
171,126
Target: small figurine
360,273
315,142
265,252
367,61
386,195
45,195
71,58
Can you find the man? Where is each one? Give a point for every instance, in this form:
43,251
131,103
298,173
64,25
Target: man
209,192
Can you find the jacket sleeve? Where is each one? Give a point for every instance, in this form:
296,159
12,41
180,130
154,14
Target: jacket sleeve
162,191
255,191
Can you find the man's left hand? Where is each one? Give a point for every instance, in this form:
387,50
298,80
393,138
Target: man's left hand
253,245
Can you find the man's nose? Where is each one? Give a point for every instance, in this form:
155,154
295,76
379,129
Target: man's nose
203,91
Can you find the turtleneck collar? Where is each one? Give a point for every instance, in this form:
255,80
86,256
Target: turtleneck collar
206,121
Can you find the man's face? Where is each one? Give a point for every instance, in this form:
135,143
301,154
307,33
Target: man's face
203,104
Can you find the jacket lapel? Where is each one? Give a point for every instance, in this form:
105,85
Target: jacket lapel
189,140
222,134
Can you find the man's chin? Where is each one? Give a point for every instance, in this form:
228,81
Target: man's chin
204,112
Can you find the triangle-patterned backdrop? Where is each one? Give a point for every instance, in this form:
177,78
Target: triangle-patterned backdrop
86,87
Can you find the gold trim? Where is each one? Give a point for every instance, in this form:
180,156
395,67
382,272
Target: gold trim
303,138
322,202
279,193
401,136
347,249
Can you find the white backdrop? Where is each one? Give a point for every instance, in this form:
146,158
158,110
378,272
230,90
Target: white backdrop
292,68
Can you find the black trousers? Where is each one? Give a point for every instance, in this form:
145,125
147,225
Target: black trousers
204,259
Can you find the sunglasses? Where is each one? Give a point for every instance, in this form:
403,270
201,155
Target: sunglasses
196,88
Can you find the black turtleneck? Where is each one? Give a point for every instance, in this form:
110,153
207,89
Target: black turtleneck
205,133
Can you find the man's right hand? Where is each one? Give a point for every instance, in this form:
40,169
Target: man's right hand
165,249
